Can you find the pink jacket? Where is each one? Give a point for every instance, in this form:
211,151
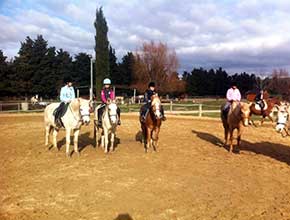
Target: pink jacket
107,93
233,95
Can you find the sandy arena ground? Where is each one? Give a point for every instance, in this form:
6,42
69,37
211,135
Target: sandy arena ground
190,177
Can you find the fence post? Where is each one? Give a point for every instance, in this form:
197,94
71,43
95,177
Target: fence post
171,106
200,110
18,106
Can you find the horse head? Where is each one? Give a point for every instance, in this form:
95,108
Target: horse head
112,111
245,112
85,107
156,106
283,116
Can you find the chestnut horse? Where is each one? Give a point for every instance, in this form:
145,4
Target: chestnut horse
269,104
237,118
151,126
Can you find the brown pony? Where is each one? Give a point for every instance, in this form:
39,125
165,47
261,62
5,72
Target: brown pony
269,105
237,118
151,126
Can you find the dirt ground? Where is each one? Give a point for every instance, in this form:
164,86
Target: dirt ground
190,177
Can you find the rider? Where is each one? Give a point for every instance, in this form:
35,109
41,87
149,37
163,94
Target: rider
259,99
233,94
67,94
106,93
147,99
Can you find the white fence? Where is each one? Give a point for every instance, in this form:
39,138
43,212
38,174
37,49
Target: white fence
198,109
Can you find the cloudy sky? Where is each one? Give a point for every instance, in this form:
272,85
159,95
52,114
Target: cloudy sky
245,35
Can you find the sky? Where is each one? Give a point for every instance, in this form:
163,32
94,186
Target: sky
244,35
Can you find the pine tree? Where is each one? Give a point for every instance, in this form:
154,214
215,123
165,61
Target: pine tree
101,49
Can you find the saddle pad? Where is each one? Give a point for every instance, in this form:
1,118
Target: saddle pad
62,109
258,107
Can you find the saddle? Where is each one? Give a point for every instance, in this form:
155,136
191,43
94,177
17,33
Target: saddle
261,105
60,111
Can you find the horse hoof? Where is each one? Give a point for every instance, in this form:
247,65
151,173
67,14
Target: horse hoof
67,155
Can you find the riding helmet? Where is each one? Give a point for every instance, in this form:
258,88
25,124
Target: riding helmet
151,84
107,81
67,79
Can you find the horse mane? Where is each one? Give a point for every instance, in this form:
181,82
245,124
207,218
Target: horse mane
75,104
155,98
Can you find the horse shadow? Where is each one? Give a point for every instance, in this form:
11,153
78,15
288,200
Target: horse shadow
125,216
139,136
84,141
117,141
275,151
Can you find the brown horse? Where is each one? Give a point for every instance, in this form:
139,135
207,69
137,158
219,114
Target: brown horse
269,104
237,118
151,126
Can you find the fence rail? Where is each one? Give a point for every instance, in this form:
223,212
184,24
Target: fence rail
198,109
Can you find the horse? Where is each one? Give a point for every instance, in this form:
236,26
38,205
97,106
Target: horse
238,117
34,100
77,114
109,126
282,124
151,126
269,103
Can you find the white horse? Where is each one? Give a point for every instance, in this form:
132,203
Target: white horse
77,114
109,126
34,100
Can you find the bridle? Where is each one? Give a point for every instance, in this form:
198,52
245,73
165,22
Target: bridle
112,115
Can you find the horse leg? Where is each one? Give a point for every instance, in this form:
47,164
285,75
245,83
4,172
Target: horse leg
55,131
102,140
262,121
148,138
67,137
271,119
106,140
155,138
47,132
112,139
239,137
226,132
76,137
231,140
95,135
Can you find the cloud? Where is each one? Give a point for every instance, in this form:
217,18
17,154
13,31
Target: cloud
237,35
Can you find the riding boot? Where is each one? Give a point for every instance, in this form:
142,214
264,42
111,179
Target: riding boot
119,116
100,112
143,114
163,118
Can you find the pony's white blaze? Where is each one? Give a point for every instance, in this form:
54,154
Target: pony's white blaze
113,112
85,114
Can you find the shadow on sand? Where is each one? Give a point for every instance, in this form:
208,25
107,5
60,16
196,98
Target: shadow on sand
125,216
276,151
84,141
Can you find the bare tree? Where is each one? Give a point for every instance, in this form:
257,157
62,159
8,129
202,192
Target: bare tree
154,62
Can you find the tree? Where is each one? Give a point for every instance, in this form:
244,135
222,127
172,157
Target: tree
4,75
114,69
81,69
154,62
126,69
101,49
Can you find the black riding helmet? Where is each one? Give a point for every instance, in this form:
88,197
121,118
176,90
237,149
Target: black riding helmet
151,84
67,79
234,83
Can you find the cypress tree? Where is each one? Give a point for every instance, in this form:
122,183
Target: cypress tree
101,49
